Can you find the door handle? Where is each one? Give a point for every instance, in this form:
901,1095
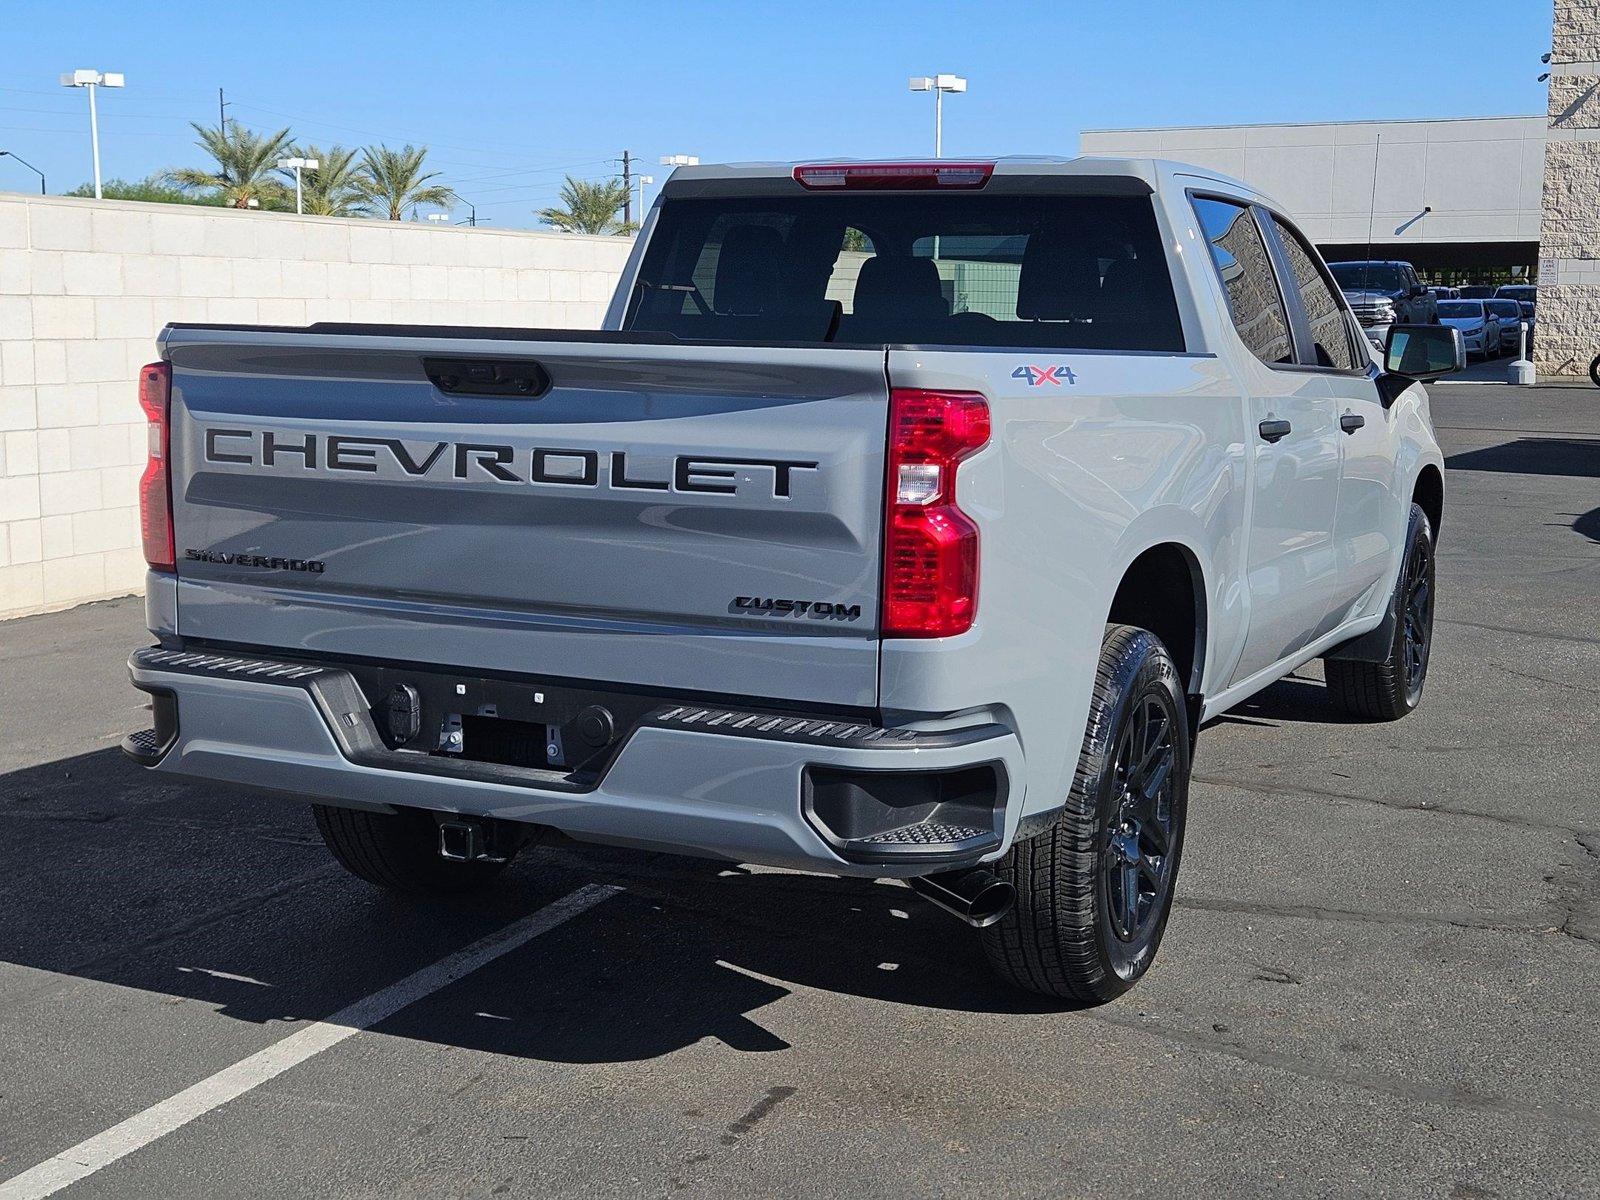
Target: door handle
1273,431
1351,422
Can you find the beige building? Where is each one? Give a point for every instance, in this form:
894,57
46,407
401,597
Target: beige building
1474,200
1569,239
1460,199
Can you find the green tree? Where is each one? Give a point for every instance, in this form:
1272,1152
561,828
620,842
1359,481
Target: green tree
334,189
246,166
590,207
152,190
392,181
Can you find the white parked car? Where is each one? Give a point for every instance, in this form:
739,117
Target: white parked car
1480,332
1507,314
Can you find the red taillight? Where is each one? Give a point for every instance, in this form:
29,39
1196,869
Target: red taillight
155,485
930,571
910,176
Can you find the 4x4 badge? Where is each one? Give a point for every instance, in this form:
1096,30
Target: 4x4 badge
1041,375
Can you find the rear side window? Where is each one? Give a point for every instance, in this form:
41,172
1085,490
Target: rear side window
1241,260
1330,332
955,269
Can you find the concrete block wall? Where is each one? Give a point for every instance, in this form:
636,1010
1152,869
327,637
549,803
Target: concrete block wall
85,286
1569,236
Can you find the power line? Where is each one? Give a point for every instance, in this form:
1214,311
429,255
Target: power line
480,148
77,132
121,114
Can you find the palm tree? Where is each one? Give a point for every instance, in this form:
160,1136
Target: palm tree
334,188
246,165
391,181
590,208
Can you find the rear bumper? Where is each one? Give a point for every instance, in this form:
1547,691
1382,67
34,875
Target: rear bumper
796,792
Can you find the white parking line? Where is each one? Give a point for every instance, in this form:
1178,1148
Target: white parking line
139,1130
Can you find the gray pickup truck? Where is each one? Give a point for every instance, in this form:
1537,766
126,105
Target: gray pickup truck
904,520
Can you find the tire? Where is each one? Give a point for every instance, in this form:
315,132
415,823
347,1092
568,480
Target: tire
1594,370
1391,689
399,852
1069,934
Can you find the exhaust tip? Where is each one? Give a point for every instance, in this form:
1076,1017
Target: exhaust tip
990,904
978,897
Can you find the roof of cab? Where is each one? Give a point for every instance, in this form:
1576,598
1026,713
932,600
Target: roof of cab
1153,171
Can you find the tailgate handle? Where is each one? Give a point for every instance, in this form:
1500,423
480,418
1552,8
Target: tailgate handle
487,377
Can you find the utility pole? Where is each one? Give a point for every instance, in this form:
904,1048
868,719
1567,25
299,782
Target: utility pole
627,188
222,128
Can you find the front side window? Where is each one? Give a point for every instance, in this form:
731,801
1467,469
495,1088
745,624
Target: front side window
981,268
1241,260
1330,332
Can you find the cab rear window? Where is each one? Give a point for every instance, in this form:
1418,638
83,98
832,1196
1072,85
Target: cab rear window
957,269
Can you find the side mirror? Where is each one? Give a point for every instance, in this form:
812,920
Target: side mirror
1414,353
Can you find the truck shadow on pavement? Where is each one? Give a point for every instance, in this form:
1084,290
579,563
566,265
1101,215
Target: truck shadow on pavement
214,896
1575,457
1301,698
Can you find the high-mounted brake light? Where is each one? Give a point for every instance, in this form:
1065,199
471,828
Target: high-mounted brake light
155,485
930,573
894,176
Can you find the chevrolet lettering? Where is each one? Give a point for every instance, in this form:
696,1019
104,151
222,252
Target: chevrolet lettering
478,461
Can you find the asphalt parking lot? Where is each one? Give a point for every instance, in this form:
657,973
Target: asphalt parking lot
1383,977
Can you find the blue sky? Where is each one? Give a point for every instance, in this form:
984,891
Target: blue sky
512,96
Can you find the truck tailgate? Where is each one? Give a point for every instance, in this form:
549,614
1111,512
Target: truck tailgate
632,521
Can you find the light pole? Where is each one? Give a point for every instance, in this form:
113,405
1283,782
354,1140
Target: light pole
297,165
472,209
439,216
29,165
93,80
643,179
938,85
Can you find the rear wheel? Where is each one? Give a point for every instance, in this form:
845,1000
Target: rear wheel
1094,893
398,851
1389,690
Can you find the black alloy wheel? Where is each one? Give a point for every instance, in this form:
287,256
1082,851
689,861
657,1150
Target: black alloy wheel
1417,616
1391,688
1136,863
